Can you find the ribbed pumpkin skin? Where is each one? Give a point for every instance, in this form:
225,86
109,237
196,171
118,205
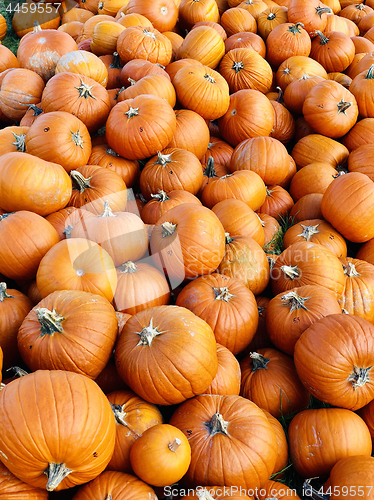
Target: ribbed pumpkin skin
55,417
180,362
334,358
118,485
352,474
89,330
282,455
243,458
11,488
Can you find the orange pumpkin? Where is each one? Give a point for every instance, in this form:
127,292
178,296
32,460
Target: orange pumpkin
138,42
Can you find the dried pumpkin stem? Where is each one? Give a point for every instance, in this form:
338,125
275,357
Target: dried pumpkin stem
108,497
370,73
350,270
294,300
4,216
107,210
217,424
3,293
323,38
280,95
77,139
343,106
259,361
19,142
204,495
148,334
116,63
268,191
290,271
55,474
174,445
67,231
238,66
131,81
163,159
210,170
127,267
323,10
209,78
79,182
132,111
295,28
18,372
111,152
359,377
222,294
50,321
271,16
228,238
149,34
85,90
168,229
308,231
160,196
119,414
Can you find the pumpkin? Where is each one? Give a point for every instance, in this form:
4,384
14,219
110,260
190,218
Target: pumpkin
287,40
317,148
361,88
121,234
269,379
341,78
236,20
314,178
130,118
14,307
227,379
19,89
79,95
357,296
307,263
12,487
277,491
351,474
105,36
55,464
360,134
344,374
284,129
72,28
290,314
133,417
334,50
90,24
166,331
360,160
104,156
246,39
191,12
77,264
31,115
158,85
52,337
199,80
191,133
168,447
12,139
278,202
246,261
60,219
265,156
41,51
297,90
24,20
8,59
216,422
140,286
163,14
109,380
85,64
282,455
316,231
70,12
116,485
356,12
216,299
307,207
315,453
94,185
219,150
250,114
270,18
171,169
214,25
138,42
366,252
136,69
312,13
161,203
352,219
134,19
295,67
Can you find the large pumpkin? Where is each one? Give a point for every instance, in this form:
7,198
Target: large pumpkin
69,330
66,447
138,42
166,354
358,293
217,422
13,489
338,368
350,476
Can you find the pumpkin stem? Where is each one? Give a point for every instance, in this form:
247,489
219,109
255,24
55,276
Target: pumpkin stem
3,292
323,38
111,152
77,139
160,196
127,267
108,497
37,111
308,231
79,182
222,294
290,271
271,261
238,66
37,27
217,424
50,321
344,311
360,6
122,89
271,16
210,170
370,73
294,300
204,495
107,210
2,386
19,142
55,474
148,334
85,90
260,310
349,270
209,78
280,95
227,175
295,29
323,10
228,238
149,34
4,216
174,445
115,64
168,229
132,112
268,191
67,231
261,221
343,106
18,372
259,362
119,414
163,159
359,377
131,81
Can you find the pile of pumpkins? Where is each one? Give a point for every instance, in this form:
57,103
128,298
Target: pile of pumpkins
187,250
